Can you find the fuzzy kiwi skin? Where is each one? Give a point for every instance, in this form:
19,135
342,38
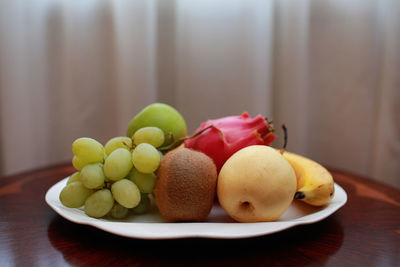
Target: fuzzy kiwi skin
185,186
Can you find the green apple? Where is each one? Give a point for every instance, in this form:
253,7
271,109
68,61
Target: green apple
160,115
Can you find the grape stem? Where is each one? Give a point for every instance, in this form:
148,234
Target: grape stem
129,147
179,141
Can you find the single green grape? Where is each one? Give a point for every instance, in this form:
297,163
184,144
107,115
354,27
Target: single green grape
126,193
151,135
99,203
145,158
74,195
75,177
78,163
118,211
88,150
92,175
144,181
117,142
161,154
118,164
144,204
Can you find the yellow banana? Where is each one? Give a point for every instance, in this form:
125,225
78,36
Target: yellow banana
315,184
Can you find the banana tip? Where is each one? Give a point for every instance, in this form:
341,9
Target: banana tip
299,195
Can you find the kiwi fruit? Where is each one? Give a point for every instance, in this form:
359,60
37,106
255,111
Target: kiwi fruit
185,186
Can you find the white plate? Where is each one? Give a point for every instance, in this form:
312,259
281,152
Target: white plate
218,224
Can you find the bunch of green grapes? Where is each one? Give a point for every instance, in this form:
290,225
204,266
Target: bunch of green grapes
117,178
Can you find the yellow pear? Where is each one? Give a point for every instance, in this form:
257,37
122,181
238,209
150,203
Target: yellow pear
256,184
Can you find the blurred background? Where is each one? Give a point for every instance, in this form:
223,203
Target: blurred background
329,70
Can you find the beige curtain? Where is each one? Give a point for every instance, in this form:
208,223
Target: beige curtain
329,70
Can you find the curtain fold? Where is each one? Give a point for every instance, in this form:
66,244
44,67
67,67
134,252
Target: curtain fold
327,69
223,58
384,156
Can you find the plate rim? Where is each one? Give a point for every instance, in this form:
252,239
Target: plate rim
104,225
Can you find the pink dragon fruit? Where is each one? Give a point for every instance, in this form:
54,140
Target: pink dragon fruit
227,135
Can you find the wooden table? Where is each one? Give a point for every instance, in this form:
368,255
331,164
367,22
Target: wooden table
365,232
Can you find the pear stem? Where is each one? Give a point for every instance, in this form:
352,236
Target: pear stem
179,141
285,138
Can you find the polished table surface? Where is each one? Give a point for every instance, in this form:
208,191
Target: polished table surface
365,232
